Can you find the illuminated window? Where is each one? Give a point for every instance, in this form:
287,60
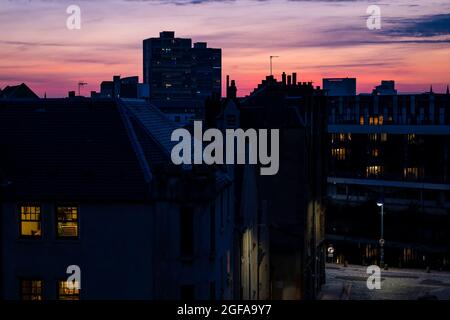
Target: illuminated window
338,153
376,120
412,173
373,171
68,290
411,138
375,153
341,137
31,290
373,137
30,221
384,137
361,120
67,222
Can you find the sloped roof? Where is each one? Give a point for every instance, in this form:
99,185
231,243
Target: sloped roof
68,150
148,121
17,92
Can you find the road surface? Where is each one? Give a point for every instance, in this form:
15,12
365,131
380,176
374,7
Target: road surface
350,283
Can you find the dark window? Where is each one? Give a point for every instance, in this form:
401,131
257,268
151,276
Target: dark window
67,221
68,291
187,292
30,221
31,289
186,232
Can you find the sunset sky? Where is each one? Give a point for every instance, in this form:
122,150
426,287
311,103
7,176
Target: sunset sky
315,38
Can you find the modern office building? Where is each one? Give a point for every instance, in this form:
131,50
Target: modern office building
394,150
339,86
174,69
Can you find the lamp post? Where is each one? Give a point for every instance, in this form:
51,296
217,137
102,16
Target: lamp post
381,205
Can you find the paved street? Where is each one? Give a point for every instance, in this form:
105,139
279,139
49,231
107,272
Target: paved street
350,283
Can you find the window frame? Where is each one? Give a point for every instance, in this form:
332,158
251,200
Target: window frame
58,295
19,210
21,291
67,205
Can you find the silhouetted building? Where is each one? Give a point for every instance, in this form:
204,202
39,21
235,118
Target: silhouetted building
21,91
387,87
282,216
394,149
127,88
90,183
174,69
339,86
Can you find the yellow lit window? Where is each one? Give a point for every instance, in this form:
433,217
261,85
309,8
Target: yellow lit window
361,120
373,171
376,120
68,291
30,221
375,153
67,221
31,290
338,153
412,173
411,138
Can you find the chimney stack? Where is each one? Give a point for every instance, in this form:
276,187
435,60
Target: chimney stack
294,78
232,90
283,77
289,80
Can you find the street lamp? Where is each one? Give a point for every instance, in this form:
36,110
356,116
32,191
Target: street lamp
381,205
